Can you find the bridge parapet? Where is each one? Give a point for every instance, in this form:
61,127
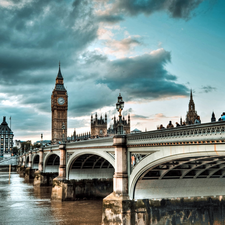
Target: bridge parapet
91,143
191,134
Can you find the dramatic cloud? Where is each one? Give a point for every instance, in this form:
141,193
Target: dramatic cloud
143,77
36,34
122,47
175,8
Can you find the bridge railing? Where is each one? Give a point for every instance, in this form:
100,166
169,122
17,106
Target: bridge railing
96,142
191,134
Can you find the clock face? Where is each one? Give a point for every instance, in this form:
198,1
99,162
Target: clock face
61,101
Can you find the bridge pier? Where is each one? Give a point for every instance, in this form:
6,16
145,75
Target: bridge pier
41,178
117,208
29,173
22,168
62,189
19,165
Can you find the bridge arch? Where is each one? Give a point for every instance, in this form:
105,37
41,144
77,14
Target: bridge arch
89,165
35,161
208,163
51,162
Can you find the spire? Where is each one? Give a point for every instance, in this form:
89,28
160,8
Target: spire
213,118
59,73
4,121
191,103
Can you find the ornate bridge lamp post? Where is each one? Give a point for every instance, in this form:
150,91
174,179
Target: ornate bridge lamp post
119,107
118,201
120,178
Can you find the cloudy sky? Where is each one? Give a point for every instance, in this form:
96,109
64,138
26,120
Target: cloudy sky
152,52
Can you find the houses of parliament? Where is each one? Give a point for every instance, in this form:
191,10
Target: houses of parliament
98,126
59,107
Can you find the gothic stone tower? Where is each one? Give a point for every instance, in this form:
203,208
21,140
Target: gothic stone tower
59,105
98,126
126,125
191,114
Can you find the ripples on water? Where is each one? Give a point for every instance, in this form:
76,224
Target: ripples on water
21,203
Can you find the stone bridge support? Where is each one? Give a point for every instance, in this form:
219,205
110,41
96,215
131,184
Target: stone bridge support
29,172
19,164
62,189
22,168
117,208
40,177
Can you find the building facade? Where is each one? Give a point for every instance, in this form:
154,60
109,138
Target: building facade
98,126
191,114
59,106
6,138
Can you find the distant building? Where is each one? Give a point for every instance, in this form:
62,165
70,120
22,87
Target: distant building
126,125
75,137
44,142
6,138
191,114
135,131
98,126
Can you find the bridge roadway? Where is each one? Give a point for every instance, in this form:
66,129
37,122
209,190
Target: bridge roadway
177,162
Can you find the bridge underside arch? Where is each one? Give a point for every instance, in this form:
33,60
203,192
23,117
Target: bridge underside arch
183,177
90,166
52,163
35,162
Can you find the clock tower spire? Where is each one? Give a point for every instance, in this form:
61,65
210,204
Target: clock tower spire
59,105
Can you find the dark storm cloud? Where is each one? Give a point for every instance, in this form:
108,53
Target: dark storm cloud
35,35
175,8
143,77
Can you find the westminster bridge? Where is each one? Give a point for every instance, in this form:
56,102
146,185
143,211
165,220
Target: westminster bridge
183,162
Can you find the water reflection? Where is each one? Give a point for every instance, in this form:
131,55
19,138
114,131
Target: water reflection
21,203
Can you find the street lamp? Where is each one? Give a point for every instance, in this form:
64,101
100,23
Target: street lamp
119,107
63,128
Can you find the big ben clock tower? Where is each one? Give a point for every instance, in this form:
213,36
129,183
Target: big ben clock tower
59,105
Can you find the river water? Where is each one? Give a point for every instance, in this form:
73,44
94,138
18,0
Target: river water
21,203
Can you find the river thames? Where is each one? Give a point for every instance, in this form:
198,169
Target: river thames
21,203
